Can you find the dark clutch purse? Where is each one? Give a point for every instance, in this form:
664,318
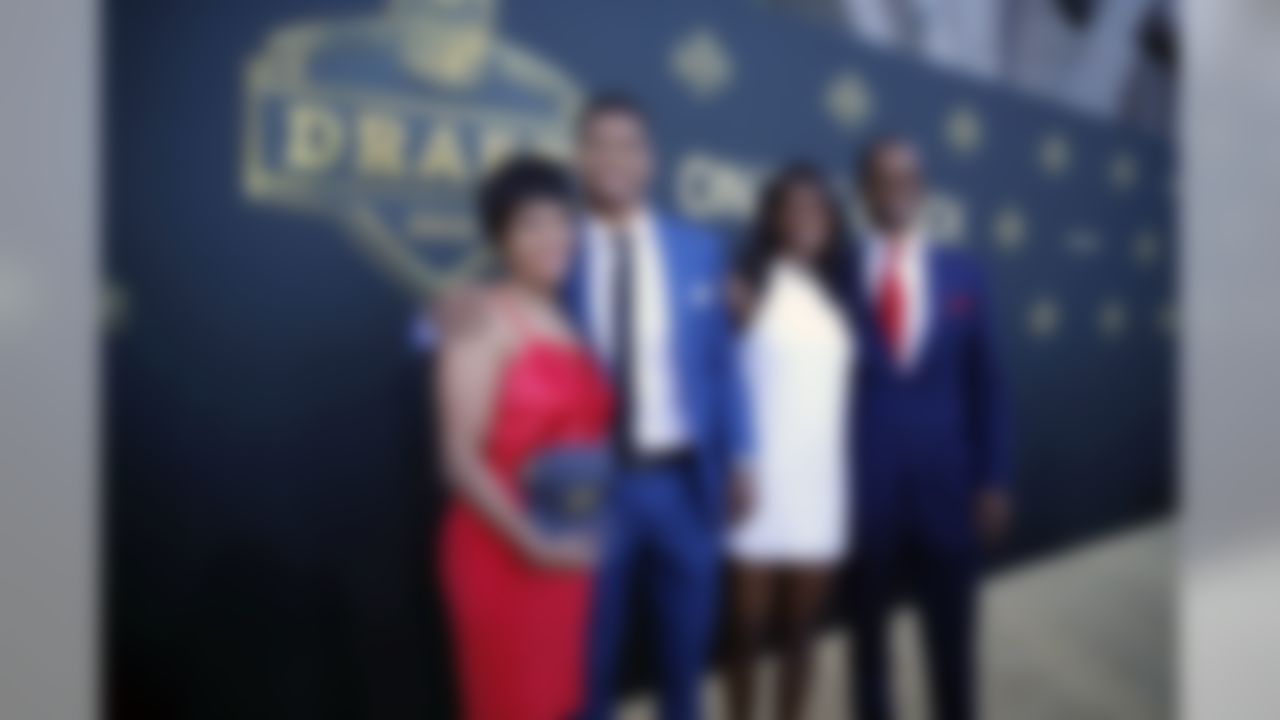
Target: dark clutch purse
566,487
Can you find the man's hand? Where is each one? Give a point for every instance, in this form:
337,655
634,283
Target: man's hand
994,515
742,496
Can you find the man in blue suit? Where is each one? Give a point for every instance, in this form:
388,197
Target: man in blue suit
932,438
647,293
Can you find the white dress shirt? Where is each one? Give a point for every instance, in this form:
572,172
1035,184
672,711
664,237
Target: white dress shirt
916,284
658,421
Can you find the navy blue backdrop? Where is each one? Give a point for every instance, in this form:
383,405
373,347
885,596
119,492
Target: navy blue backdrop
271,489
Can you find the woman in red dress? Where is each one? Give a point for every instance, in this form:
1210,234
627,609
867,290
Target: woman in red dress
513,383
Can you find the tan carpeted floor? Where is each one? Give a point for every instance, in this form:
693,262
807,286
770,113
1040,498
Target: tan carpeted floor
1086,635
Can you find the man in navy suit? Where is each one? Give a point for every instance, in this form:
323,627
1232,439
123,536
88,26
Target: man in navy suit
932,438
646,291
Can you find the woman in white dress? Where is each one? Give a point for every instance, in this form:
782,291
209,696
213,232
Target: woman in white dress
798,354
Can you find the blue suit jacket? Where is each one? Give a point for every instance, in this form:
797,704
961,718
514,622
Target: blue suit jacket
708,378
926,440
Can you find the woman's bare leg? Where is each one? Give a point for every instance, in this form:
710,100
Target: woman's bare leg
803,596
752,588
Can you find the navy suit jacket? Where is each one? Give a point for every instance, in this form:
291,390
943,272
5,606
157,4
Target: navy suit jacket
927,439
708,377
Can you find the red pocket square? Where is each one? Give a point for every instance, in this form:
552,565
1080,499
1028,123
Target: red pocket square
959,305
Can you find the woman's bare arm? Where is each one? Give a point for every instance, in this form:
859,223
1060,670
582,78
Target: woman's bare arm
467,380
466,383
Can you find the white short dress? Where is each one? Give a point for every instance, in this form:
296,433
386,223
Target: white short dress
798,358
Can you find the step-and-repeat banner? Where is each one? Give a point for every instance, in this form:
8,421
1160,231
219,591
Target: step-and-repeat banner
289,180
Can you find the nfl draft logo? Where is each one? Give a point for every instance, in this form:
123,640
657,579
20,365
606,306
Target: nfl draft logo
384,124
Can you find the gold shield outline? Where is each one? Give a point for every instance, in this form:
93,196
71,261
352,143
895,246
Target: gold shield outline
282,66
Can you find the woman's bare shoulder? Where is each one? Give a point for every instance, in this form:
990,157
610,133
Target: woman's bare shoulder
478,325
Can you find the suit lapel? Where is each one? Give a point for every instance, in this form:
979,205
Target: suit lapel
670,257
864,308
576,288
935,289
679,282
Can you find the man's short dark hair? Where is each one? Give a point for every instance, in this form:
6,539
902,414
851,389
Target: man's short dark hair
864,163
611,103
518,182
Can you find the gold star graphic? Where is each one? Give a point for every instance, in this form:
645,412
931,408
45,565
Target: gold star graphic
1055,154
1167,319
1123,171
116,306
1113,319
1083,242
702,63
849,101
1009,229
1146,249
1044,318
963,130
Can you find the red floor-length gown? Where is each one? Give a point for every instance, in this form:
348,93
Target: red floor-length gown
520,630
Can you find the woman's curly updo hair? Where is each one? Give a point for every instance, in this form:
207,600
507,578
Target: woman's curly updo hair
515,184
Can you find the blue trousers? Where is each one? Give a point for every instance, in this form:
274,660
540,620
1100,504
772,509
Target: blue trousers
926,546
660,549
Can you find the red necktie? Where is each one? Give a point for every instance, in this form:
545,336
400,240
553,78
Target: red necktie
891,304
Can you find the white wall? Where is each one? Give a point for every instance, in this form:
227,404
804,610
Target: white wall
47,358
